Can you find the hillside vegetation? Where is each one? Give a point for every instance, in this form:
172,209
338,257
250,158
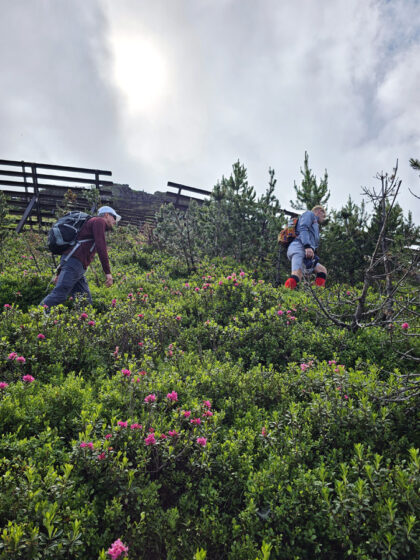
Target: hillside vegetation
202,414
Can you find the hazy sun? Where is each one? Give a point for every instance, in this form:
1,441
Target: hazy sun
139,72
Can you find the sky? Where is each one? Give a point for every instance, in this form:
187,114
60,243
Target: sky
179,90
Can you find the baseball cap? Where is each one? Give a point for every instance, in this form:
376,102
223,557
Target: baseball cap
109,210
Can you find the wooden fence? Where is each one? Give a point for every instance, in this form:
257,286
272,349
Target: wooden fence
34,190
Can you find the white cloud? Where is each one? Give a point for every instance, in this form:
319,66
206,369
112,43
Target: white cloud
180,90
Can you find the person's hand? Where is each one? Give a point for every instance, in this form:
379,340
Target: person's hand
309,253
109,281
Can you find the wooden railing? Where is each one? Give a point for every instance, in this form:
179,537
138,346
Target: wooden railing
35,189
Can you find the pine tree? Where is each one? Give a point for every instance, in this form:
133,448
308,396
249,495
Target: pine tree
310,193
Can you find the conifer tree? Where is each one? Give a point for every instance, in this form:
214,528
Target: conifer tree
311,192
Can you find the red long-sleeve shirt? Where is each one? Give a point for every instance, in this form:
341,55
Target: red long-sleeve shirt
93,229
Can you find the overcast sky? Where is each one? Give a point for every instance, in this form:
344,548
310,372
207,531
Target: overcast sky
178,90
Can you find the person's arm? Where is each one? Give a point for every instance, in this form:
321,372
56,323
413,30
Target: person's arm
98,231
305,222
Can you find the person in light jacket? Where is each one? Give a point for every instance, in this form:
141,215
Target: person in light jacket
301,252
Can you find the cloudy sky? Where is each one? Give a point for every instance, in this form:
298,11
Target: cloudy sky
178,90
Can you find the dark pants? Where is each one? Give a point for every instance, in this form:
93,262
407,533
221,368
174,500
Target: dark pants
71,282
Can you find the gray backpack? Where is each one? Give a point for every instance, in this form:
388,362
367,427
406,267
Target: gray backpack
63,234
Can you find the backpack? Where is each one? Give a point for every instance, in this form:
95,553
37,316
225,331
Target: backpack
288,234
63,234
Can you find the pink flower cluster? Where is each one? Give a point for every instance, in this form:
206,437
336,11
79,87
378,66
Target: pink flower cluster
150,398
116,549
150,439
3,384
405,326
41,336
28,378
83,316
14,356
126,372
88,444
202,441
172,396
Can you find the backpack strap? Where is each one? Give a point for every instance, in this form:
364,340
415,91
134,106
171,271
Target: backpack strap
66,258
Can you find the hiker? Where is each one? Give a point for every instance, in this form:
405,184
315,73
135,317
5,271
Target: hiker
301,251
70,279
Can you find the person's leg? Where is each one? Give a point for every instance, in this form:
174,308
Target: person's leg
81,288
321,275
70,273
295,254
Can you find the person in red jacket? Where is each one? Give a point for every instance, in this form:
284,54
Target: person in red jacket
71,279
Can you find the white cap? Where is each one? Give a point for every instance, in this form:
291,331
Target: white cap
109,210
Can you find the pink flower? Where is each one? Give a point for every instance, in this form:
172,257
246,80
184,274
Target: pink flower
229,278
202,441
20,359
348,292
41,336
140,315
141,343
86,444
207,404
108,436
279,312
91,323
220,283
113,302
83,444
195,420
346,396
163,436
242,273
173,433
90,445
101,456
150,398
405,326
172,396
122,424
178,317
126,372
208,413
116,549
331,362
83,316
150,440
186,285
304,367
136,426
196,289
28,378
3,384
7,306
264,431
186,413
142,373
12,356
